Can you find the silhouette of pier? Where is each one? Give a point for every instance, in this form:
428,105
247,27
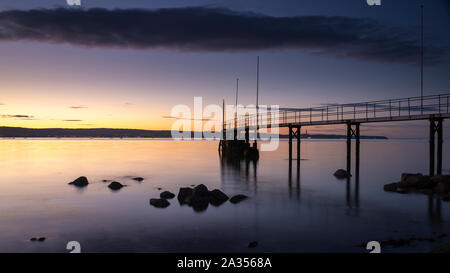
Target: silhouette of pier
434,108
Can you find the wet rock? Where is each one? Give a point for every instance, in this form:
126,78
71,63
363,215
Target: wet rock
115,186
253,244
199,203
184,195
41,239
238,198
159,202
201,190
416,181
33,239
217,197
80,181
391,187
445,248
139,179
342,174
106,180
167,195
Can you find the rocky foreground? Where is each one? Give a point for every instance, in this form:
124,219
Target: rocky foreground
198,198
424,184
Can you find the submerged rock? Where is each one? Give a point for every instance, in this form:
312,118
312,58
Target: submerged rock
167,195
184,195
33,239
217,197
80,181
342,174
159,202
238,198
391,187
201,190
115,186
416,181
41,239
253,244
139,179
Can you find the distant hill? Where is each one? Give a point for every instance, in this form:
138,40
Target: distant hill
121,133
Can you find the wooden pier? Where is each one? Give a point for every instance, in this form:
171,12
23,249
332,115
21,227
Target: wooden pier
434,109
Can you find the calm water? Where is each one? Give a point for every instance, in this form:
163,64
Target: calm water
312,213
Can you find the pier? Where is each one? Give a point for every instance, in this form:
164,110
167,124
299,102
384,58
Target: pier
434,108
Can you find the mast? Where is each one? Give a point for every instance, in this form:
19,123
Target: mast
421,58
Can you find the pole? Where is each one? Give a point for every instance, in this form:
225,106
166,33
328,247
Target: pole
257,101
421,58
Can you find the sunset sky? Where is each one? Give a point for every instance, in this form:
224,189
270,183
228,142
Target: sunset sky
95,68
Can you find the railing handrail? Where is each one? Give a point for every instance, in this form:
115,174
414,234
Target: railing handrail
338,112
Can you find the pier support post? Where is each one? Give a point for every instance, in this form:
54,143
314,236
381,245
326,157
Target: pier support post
436,126
432,148
439,146
357,136
298,143
349,146
290,142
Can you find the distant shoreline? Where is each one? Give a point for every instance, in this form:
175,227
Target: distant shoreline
20,132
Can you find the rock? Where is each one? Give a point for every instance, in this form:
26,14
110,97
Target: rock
425,191
199,203
140,179
342,174
217,197
41,239
391,187
33,239
184,195
201,190
80,181
106,180
445,248
115,186
441,179
159,203
416,181
253,244
167,195
238,198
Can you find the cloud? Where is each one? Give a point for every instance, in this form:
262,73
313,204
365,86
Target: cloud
78,107
72,120
22,117
199,29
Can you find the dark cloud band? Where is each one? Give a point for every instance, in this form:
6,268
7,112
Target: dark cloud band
199,29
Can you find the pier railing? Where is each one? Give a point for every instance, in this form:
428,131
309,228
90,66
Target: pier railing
412,108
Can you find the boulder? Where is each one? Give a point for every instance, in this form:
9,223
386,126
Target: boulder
80,181
167,195
115,186
41,239
201,190
33,239
238,198
253,244
159,202
199,203
391,187
184,195
342,174
140,179
416,181
217,197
